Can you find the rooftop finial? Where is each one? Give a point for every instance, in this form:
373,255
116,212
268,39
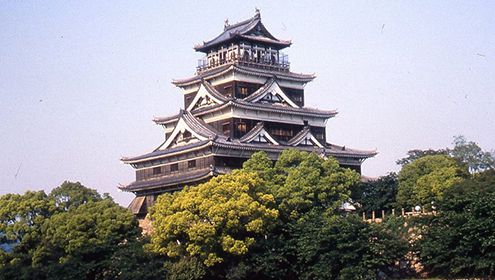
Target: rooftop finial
226,23
257,12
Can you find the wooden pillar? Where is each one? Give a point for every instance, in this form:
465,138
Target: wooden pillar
403,213
373,215
364,216
393,212
383,214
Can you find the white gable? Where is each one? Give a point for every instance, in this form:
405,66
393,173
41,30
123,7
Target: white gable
180,136
203,98
275,94
309,140
263,137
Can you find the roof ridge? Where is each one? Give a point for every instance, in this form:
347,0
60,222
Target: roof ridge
252,133
299,136
246,21
213,91
261,90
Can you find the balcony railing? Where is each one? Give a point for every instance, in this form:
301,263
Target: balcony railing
280,63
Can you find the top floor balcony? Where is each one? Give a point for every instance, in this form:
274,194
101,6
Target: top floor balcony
256,57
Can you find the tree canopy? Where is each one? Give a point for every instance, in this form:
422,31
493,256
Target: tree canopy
72,231
472,155
458,242
424,180
213,221
376,195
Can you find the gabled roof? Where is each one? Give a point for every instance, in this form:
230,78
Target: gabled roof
302,135
170,180
332,150
170,151
207,91
251,29
227,68
273,108
258,131
198,128
270,87
166,120
284,109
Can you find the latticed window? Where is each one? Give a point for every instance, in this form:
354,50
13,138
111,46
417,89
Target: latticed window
174,167
191,164
157,170
243,91
241,127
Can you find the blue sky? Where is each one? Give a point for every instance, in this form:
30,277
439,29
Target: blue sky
80,81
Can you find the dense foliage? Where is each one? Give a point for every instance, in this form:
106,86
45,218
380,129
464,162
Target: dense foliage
424,180
268,220
460,241
376,195
214,221
72,231
272,221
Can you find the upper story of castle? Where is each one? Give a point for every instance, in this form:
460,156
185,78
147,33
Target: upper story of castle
241,60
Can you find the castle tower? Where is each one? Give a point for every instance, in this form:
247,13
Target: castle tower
243,99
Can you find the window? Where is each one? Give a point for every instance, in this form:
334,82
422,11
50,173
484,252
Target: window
243,91
191,164
241,127
174,167
157,170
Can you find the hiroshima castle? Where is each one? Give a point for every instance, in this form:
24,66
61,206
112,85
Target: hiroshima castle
242,99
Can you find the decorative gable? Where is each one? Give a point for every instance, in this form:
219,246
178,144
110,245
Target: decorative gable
188,130
305,138
271,93
258,135
206,96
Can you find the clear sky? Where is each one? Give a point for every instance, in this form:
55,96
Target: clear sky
80,81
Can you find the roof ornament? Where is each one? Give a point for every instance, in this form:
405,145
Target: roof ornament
226,23
257,12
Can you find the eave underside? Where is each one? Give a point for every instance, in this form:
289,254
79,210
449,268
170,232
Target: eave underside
236,149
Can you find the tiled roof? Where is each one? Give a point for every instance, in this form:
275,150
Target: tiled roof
330,150
262,90
291,76
244,29
165,120
199,126
284,109
248,137
159,153
169,180
298,77
299,136
214,92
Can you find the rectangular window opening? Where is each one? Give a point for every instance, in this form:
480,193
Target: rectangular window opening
157,170
174,167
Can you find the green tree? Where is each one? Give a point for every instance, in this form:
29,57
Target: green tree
425,179
214,221
376,195
337,247
413,155
303,184
472,155
301,181
71,194
21,219
459,241
73,231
